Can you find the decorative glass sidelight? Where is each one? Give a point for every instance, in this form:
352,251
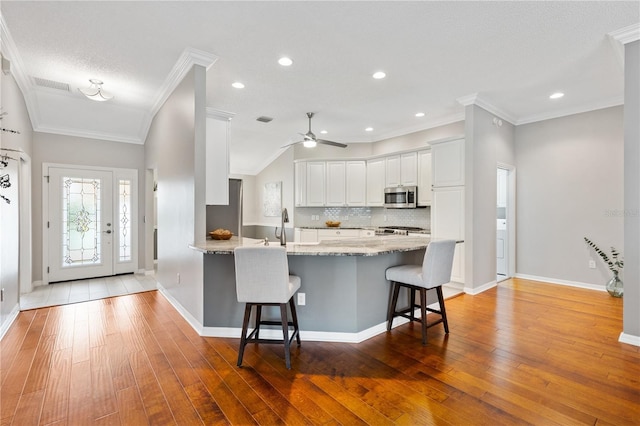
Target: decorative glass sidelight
80,221
124,212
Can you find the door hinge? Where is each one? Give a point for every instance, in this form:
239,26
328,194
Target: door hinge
47,224
47,178
47,269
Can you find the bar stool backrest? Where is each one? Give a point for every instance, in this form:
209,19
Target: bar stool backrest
437,263
262,274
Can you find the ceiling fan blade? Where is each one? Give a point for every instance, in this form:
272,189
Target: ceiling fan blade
291,144
325,142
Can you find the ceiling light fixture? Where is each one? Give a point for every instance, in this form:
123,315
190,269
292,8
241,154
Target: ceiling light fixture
238,85
369,129
285,62
309,143
556,95
379,75
420,114
324,132
95,92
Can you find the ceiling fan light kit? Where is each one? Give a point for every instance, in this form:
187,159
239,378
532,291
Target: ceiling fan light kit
95,92
310,140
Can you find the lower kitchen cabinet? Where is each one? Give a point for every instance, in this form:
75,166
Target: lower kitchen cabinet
334,234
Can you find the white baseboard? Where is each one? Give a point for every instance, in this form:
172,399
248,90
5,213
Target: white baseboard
561,282
149,272
629,339
37,283
10,319
477,290
193,322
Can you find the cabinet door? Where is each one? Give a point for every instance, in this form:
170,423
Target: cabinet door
424,178
376,182
393,171
337,234
315,183
409,169
308,236
448,163
447,221
336,184
356,183
300,177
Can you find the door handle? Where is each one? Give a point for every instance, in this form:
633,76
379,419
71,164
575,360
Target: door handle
108,231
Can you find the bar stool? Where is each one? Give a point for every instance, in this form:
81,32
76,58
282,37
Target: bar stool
434,271
262,279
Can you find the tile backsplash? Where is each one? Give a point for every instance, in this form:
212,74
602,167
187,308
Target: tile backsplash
357,217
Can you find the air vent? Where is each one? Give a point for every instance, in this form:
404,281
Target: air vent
43,82
264,119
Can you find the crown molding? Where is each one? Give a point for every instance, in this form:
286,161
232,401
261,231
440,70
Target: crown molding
475,99
90,135
219,114
627,34
608,103
186,61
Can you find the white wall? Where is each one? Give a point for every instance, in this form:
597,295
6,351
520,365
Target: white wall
280,170
17,118
175,148
50,148
570,186
631,315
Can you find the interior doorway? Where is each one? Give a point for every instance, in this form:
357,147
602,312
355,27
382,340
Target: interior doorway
505,222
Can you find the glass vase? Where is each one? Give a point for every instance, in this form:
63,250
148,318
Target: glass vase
614,286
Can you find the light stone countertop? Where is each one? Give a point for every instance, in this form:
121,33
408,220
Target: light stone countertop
372,246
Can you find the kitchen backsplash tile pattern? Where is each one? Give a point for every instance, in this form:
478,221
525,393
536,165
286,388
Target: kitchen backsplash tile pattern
360,217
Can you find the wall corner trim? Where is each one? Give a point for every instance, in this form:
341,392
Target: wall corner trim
477,290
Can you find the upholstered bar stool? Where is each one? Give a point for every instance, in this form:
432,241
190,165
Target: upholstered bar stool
434,271
262,279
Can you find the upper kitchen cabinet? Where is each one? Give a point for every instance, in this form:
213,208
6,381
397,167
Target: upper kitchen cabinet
335,190
424,178
448,163
376,182
356,174
402,169
217,157
300,183
315,185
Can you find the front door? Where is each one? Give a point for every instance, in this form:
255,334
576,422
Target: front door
91,223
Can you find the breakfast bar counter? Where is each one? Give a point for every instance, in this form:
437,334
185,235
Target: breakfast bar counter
346,293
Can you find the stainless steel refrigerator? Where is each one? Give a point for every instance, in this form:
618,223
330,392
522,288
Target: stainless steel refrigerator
230,216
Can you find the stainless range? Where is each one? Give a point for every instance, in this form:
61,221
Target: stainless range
400,230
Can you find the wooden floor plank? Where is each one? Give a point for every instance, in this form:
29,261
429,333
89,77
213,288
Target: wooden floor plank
521,353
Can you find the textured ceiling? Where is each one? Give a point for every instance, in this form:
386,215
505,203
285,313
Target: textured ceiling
512,54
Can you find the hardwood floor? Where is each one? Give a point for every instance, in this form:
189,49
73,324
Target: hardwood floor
522,353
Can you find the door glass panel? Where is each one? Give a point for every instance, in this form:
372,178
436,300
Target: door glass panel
80,221
124,212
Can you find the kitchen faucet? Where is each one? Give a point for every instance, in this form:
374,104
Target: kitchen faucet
283,235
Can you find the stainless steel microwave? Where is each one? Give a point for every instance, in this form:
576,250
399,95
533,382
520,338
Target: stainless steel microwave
401,197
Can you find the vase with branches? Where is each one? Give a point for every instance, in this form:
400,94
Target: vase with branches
615,263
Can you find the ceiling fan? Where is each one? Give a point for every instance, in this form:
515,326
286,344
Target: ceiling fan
310,139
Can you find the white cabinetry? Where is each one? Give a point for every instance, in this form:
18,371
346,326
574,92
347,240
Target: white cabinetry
337,234
424,178
448,163
376,182
300,183
315,183
356,183
447,222
409,169
366,233
217,157
336,184
303,235
392,171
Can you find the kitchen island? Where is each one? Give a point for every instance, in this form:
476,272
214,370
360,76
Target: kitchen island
344,284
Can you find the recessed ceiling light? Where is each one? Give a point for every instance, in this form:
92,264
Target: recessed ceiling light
238,85
379,75
369,129
285,62
420,114
324,132
556,95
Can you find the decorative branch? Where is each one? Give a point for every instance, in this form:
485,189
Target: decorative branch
615,263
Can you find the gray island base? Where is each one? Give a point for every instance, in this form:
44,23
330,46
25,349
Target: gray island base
347,295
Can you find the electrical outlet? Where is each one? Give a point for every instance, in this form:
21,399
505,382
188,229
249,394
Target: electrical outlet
302,300
384,218
178,278
592,264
